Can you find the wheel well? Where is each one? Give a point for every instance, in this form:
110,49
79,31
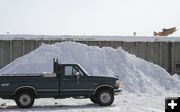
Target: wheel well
109,88
25,89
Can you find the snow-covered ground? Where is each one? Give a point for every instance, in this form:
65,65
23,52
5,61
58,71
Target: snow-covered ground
145,85
123,103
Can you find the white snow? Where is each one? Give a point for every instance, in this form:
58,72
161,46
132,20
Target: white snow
144,84
136,75
127,102
122,103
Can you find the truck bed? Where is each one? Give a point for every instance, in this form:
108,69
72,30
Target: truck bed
43,74
45,84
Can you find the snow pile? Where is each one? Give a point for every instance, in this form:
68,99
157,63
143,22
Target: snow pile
136,75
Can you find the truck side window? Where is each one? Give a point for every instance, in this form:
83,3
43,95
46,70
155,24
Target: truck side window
68,71
79,70
71,70
81,73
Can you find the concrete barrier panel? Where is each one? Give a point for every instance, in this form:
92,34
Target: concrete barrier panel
40,42
54,41
165,59
156,53
165,54
29,46
17,49
133,48
82,42
105,43
142,50
2,52
176,57
93,43
117,44
7,52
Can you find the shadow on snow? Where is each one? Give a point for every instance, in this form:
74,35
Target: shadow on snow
53,107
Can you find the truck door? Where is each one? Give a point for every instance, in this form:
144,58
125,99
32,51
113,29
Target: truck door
74,82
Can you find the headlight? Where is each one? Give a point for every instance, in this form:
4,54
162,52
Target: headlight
117,84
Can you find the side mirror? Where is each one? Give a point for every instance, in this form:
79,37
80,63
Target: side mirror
77,74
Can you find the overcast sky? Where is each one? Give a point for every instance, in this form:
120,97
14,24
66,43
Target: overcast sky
89,17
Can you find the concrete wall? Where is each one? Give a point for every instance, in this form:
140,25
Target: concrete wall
165,54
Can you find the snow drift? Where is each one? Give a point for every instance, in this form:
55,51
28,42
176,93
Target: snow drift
136,75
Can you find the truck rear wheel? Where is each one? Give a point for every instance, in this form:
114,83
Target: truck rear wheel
105,98
24,100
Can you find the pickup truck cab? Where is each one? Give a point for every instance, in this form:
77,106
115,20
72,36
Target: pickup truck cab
67,80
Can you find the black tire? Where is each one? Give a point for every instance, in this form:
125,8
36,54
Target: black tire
105,98
24,100
94,99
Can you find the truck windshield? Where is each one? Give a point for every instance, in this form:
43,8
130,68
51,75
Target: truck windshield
84,70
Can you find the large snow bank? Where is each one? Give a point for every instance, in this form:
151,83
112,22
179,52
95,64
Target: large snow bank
136,75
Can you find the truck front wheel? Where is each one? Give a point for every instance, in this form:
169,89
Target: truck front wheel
24,100
94,99
105,98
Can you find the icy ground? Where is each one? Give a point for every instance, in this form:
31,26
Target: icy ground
123,103
145,85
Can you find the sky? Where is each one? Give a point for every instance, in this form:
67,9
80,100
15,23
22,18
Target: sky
89,17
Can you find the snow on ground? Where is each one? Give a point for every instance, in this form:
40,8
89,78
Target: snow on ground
144,84
125,102
122,103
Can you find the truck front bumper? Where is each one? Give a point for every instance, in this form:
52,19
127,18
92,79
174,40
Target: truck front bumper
117,91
